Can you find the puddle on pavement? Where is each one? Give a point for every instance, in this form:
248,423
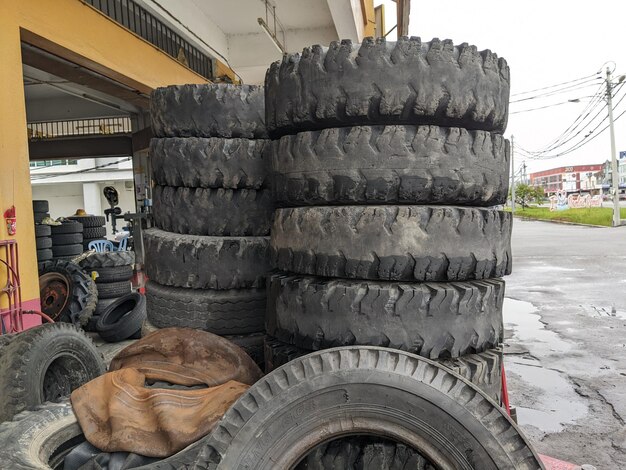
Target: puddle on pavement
557,403
527,327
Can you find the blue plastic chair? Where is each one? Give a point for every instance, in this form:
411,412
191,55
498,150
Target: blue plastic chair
122,244
101,246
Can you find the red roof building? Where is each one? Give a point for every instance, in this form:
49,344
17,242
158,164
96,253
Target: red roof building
572,179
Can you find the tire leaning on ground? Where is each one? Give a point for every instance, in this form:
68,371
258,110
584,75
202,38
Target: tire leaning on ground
430,319
376,82
123,318
223,312
215,110
210,163
45,363
425,243
391,164
295,408
40,440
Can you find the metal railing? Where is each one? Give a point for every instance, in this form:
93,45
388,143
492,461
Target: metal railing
79,127
145,24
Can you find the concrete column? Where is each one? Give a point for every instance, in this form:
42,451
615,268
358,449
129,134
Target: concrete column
91,199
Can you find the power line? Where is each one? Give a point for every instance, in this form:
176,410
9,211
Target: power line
546,107
558,84
567,89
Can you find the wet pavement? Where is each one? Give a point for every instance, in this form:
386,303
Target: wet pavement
565,352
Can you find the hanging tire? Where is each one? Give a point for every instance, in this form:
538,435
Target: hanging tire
223,312
108,259
391,165
67,294
42,438
430,319
200,262
376,82
123,318
67,227
112,274
42,230
94,232
209,110
41,206
46,363
42,243
209,163
393,243
89,221
67,250
44,254
278,420
213,212
112,290
67,238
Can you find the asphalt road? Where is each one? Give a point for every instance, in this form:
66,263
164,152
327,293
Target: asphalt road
565,353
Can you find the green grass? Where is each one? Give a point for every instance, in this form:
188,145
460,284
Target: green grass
590,216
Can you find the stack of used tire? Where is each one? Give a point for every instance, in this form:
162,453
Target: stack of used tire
67,240
43,242
112,272
208,255
94,228
385,170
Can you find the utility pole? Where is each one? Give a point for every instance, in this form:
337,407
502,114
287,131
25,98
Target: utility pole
512,174
614,169
524,172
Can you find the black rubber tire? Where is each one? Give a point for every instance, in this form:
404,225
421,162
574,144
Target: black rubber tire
67,227
223,312
294,408
67,250
123,318
82,294
102,305
90,221
41,243
38,217
113,290
40,266
41,439
42,230
252,344
46,363
94,232
200,262
213,212
112,274
41,206
210,163
393,243
91,324
432,319
44,254
109,259
209,110
67,239
391,164
483,369
406,82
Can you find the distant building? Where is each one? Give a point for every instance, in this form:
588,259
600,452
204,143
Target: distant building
572,179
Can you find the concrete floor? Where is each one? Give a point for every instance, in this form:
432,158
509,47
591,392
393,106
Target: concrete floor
565,322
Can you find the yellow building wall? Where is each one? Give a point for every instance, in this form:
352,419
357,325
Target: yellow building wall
75,31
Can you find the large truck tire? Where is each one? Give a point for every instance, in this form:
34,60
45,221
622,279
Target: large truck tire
210,163
45,363
210,110
391,165
295,408
393,243
380,82
213,212
223,312
201,262
430,319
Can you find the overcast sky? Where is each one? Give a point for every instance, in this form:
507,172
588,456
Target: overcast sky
545,43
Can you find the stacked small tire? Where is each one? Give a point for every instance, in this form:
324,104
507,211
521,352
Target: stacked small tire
94,228
208,255
67,240
43,242
386,159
